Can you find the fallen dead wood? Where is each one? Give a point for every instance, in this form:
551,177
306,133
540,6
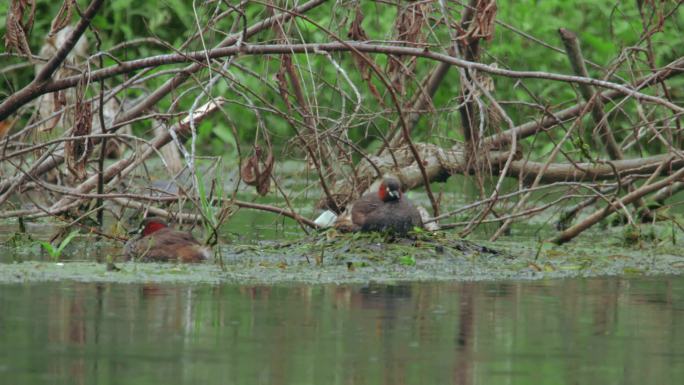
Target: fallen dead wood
599,214
530,128
11,104
123,167
32,92
339,123
667,192
604,170
198,218
441,163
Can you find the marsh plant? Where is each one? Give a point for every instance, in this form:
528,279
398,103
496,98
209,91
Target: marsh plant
56,252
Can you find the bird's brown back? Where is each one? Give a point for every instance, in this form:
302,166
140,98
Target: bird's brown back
370,213
166,245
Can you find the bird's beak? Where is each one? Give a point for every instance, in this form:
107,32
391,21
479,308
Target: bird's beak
393,193
134,231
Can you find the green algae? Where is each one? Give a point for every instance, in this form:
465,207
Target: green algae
331,257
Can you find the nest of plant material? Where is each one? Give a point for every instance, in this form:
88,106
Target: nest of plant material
333,247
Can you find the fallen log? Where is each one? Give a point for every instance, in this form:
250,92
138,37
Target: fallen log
441,163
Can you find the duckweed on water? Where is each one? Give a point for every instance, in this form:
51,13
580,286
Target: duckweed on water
360,258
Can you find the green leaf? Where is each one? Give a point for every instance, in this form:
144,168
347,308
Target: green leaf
56,252
205,204
120,5
66,241
47,246
418,230
407,260
225,134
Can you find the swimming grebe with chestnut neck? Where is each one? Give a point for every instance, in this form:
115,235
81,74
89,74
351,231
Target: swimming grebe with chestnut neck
157,242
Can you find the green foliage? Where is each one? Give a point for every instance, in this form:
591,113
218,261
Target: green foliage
19,239
407,260
56,252
211,204
631,235
605,28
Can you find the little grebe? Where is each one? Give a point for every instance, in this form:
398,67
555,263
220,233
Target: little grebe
386,210
157,242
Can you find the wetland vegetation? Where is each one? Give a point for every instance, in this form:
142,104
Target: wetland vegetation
541,140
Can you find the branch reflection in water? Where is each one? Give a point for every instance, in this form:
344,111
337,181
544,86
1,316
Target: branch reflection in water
559,331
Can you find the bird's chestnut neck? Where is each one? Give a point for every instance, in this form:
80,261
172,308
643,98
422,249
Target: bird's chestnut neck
386,194
153,226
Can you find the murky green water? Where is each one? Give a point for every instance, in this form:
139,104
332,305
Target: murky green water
586,331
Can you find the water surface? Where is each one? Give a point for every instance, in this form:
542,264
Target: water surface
583,331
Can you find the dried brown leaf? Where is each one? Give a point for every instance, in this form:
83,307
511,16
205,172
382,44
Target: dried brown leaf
264,179
77,151
482,26
253,174
486,18
249,169
408,24
281,79
63,17
356,31
17,30
58,102
5,127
